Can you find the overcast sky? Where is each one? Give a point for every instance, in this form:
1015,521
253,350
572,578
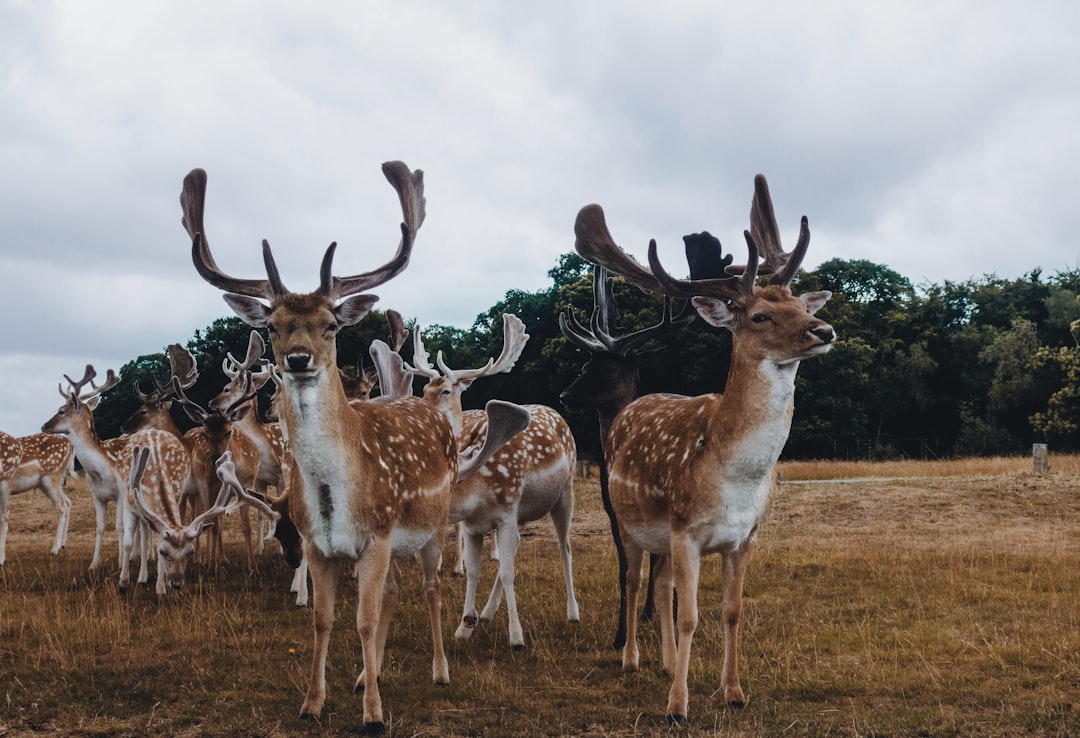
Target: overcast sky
940,139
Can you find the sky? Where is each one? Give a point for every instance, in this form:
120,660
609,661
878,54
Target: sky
939,139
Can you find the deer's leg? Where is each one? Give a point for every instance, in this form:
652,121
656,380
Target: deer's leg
390,596
734,571
249,541
142,543
325,574
661,574
561,515
63,513
429,562
473,549
634,557
300,584
459,565
372,571
508,539
127,542
685,565
121,505
99,532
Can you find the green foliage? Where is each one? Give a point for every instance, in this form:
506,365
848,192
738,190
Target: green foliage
986,365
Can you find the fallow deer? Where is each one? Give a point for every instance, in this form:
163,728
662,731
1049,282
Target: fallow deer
530,477
44,462
160,512
608,382
154,412
108,463
214,437
691,476
370,483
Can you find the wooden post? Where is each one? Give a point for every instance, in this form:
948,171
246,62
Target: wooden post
1041,458
583,469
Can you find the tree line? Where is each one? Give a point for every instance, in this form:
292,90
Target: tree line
987,366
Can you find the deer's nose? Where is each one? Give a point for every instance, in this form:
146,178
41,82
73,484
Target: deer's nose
298,362
825,334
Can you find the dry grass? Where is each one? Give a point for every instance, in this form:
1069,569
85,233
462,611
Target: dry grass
943,605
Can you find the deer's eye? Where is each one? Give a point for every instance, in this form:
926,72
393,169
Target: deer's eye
759,318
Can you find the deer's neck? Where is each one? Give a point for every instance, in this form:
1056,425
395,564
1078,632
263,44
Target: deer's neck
758,400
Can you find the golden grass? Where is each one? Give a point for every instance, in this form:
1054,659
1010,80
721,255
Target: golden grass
902,605
819,470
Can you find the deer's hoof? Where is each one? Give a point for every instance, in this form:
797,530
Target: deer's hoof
374,728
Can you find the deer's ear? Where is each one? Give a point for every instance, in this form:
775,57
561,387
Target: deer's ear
815,300
353,309
715,312
250,310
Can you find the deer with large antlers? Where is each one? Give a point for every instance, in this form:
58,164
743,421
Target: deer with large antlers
370,483
530,477
607,383
156,404
691,476
108,463
40,462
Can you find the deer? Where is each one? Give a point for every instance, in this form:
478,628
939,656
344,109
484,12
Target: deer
607,383
370,483
266,437
39,461
214,437
107,465
528,478
358,387
161,514
692,476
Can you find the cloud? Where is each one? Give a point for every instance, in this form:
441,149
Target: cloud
939,140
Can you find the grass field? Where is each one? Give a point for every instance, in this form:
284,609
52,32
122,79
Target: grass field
903,599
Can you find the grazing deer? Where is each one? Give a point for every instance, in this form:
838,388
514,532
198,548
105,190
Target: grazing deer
691,476
40,462
160,512
608,382
108,463
528,478
370,483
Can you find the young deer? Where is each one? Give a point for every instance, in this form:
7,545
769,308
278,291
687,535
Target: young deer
530,477
608,382
41,462
692,476
370,483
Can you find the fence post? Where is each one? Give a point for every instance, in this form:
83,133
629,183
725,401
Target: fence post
583,469
1041,458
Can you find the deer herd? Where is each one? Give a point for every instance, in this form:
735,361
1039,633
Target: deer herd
350,483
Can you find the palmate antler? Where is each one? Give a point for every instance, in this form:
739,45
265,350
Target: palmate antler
410,188
594,243
514,340
182,366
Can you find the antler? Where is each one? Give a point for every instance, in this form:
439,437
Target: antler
111,380
182,366
599,336
514,340
226,472
256,347
410,188
594,242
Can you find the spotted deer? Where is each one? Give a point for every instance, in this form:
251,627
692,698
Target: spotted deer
691,476
528,478
607,383
107,465
160,512
40,461
214,436
155,410
370,483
